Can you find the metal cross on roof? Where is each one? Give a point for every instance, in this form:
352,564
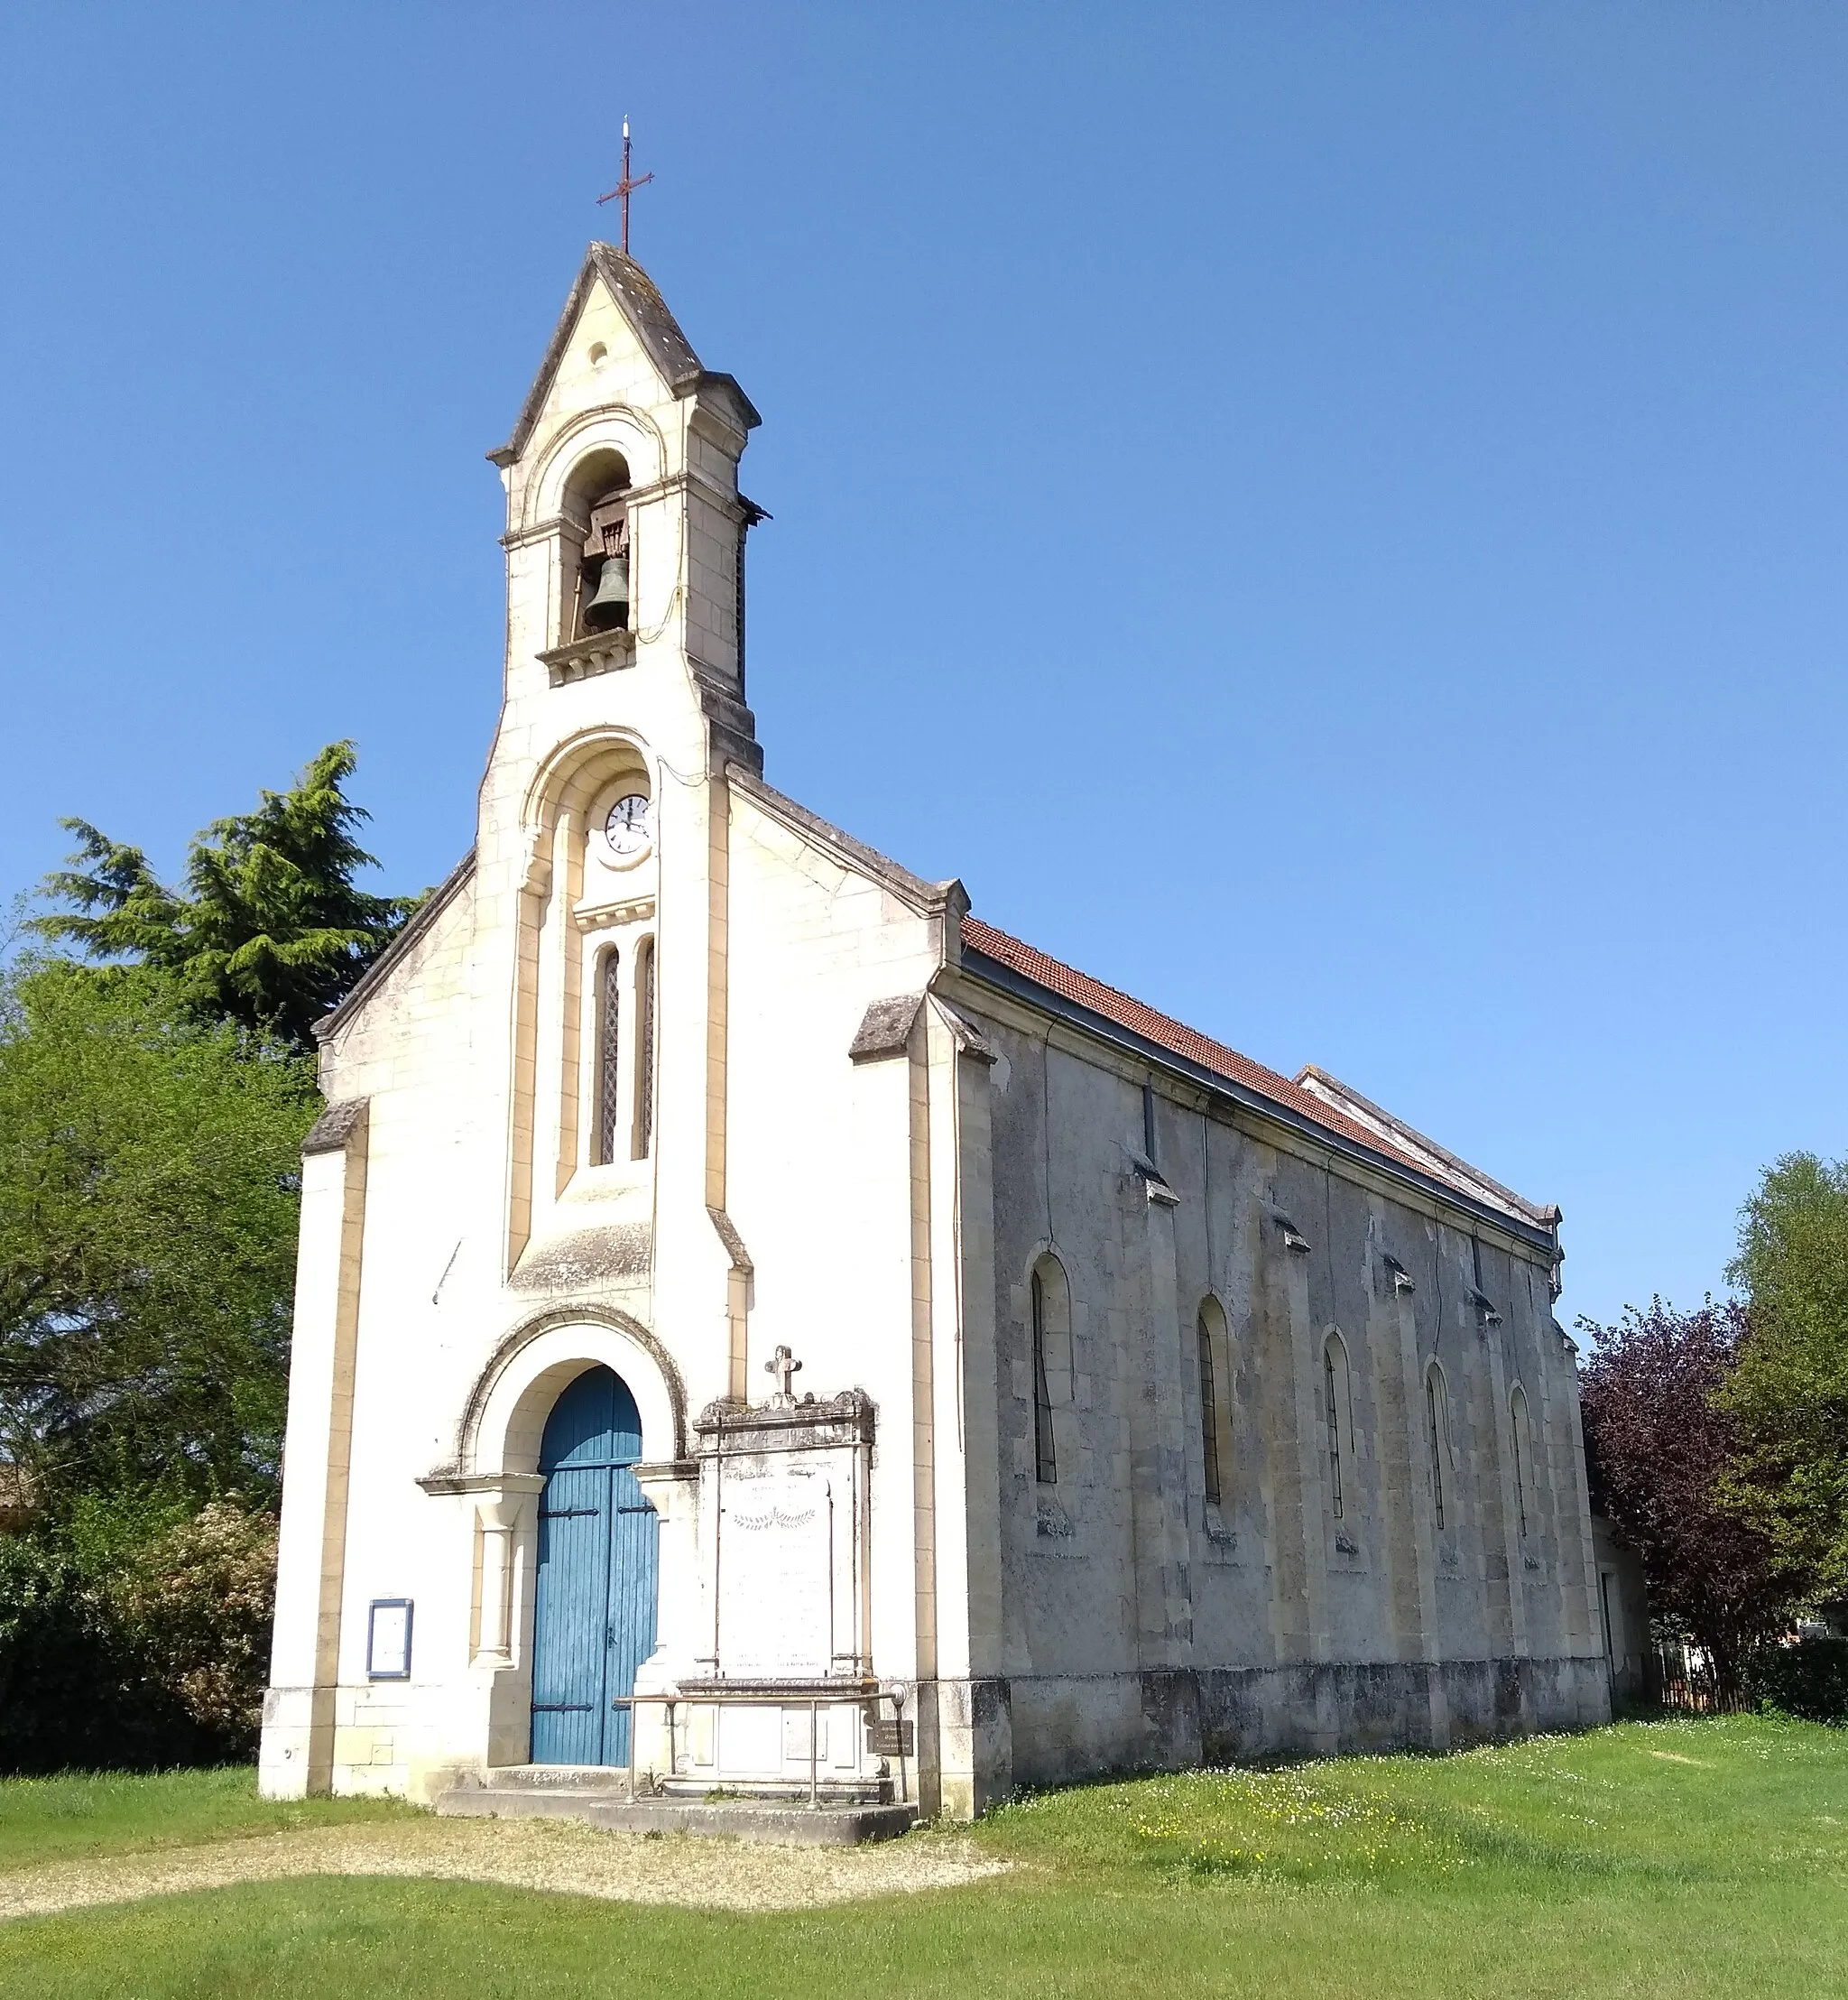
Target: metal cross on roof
624,187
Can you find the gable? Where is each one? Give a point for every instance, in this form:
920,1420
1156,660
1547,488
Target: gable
630,311
385,970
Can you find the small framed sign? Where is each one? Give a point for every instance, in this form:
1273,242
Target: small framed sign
886,1738
388,1640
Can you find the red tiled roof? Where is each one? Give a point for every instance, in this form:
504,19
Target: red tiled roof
1168,1034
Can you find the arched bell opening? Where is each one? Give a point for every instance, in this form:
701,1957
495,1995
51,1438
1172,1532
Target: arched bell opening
597,1575
596,506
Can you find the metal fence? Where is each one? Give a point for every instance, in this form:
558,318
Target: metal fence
1685,1679
865,1697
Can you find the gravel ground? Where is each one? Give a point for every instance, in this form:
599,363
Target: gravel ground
524,1854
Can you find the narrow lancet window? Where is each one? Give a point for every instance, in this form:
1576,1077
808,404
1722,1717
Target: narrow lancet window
1523,1451
1333,1363
644,1052
1434,1423
609,1091
1209,1409
1045,1462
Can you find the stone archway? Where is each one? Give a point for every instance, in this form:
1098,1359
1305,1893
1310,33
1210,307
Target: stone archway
497,1462
504,1422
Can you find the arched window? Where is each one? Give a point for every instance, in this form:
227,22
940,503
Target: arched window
1338,1411
609,1092
1437,1433
1209,1335
1051,1309
1523,1451
644,1049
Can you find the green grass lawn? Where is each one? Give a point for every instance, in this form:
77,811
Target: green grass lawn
68,1817
1664,1859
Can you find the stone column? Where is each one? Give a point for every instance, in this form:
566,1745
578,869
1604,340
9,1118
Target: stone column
966,1714
1411,1513
1159,1448
529,909
1502,1545
488,1723
568,1011
683,1617
1295,1448
296,1757
886,1239
1578,1564
498,1512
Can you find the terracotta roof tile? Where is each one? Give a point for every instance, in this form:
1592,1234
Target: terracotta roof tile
1167,1032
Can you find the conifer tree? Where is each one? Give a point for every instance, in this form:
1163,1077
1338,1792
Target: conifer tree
268,928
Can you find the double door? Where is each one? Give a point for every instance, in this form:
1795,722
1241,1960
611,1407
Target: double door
594,1620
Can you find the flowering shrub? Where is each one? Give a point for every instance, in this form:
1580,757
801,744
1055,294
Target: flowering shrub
146,1656
196,1606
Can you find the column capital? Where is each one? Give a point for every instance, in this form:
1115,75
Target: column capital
498,1485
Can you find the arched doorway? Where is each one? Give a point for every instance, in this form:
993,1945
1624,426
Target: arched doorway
595,1601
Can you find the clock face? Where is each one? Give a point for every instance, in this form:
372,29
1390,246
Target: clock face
626,829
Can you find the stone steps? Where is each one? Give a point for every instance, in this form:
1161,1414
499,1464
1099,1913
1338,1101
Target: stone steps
558,1777
600,1798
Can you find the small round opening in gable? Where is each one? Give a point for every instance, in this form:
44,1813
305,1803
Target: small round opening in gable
599,354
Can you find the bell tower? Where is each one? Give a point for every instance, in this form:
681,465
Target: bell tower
625,526
602,857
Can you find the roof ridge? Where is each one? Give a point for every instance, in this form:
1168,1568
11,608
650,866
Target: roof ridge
1424,1141
1210,1054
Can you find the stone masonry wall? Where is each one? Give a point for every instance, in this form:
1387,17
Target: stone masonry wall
1146,1624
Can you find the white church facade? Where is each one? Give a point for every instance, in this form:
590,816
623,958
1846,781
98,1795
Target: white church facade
760,1326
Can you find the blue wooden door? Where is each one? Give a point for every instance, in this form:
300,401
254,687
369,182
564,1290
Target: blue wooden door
598,1541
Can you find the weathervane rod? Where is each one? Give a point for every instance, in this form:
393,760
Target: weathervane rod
624,187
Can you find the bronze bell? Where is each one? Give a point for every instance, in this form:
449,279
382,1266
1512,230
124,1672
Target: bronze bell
606,609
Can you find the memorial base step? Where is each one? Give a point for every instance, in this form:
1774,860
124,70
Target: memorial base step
601,1799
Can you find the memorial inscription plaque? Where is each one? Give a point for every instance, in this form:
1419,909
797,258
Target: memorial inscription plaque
776,1576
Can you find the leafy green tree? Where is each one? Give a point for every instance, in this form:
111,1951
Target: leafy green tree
1788,1392
153,1107
268,928
149,1187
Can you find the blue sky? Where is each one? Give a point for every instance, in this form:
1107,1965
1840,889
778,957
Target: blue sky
1328,516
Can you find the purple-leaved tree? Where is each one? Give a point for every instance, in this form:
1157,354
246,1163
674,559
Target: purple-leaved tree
1658,1449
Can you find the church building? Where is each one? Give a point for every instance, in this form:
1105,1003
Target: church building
763,1330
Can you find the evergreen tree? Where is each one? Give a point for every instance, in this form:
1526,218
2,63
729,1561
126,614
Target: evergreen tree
268,928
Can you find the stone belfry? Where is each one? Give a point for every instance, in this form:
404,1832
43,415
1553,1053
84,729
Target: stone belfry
603,837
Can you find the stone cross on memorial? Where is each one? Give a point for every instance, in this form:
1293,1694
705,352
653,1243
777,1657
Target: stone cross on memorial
782,1365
